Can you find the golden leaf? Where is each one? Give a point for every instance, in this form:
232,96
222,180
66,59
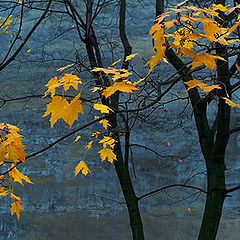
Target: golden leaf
54,108
207,59
63,68
105,123
95,134
16,208
123,86
89,145
117,62
195,83
70,112
18,176
102,108
77,138
68,80
52,85
107,153
129,57
3,193
231,103
108,141
82,167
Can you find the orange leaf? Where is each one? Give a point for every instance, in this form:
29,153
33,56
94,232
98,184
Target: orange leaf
82,167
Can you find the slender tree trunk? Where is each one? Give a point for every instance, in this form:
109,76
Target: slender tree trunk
213,145
120,166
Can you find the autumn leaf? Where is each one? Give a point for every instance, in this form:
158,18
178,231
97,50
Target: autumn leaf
82,167
70,112
52,85
123,86
18,176
89,145
13,196
207,59
117,62
95,134
107,153
55,108
108,141
195,83
102,108
231,103
63,68
16,152
16,208
105,123
129,57
2,152
3,192
68,80
77,138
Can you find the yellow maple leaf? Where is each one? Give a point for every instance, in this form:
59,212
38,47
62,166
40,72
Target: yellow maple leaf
3,192
129,57
195,83
105,123
77,138
220,7
16,152
52,85
54,108
13,196
95,134
70,112
207,59
16,208
117,62
107,153
68,80
231,103
89,145
82,167
2,152
102,108
108,141
18,176
123,86
63,68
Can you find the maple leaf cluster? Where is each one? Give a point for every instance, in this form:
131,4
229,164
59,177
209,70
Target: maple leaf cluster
11,152
197,25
